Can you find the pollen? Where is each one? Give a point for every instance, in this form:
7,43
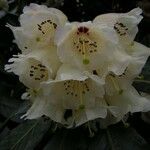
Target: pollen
46,26
76,88
84,45
38,72
120,28
116,84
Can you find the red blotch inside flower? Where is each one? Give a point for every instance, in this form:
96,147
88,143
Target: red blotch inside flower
82,30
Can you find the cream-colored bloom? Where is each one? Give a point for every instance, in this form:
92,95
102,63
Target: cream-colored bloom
35,67
38,26
71,92
119,90
91,47
139,54
77,72
77,93
41,105
121,94
125,24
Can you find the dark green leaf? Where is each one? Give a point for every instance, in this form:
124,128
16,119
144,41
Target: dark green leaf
26,136
99,142
4,133
68,140
125,139
114,138
13,109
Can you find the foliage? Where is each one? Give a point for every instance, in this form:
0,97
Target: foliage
18,134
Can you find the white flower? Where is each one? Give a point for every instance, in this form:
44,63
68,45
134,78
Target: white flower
119,90
91,47
38,26
82,98
35,67
41,105
139,54
77,93
125,24
121,94
77,72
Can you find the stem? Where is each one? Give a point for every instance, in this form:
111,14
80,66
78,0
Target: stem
142,81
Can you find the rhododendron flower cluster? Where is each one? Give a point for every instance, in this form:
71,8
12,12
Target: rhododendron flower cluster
79,71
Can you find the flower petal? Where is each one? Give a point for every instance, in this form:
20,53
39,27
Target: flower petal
139,54
88,47
68,72
124,24
35,67
38,26
91,113
42,106
128,101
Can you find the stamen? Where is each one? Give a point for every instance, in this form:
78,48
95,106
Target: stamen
38,72
141,77
126,125
46,26
84,45
84,53
116,86
90,131
120,28
81,97
77,89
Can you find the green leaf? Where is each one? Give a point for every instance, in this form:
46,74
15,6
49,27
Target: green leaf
67,139
121,138
13,109
114,138
99,142
26,136
4,133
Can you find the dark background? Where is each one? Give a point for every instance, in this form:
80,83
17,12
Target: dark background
18,134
